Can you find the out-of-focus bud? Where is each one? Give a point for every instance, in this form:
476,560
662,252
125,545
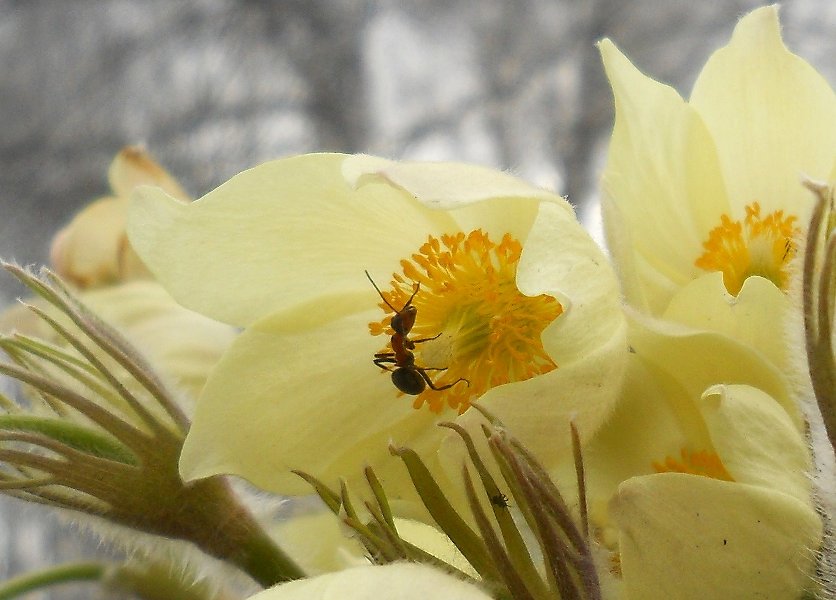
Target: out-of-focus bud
93,249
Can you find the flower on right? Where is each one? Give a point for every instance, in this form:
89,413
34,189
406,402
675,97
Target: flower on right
712,185
699,483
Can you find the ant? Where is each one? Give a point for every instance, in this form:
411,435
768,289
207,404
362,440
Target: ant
408,377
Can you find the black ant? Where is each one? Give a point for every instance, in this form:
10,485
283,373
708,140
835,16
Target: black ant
408,377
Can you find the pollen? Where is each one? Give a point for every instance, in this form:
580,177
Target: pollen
757,246
702,462
472,324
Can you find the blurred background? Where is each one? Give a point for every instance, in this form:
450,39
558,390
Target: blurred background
211,87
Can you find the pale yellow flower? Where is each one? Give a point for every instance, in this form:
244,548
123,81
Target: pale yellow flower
93,254
399,581
93,249
713,184
514,296
703,490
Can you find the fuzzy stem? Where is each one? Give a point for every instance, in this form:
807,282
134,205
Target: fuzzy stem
83,571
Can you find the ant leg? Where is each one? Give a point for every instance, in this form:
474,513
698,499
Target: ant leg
436,336
382,360
422,372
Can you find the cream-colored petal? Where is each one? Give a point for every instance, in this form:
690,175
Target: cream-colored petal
561,259
297,390
771,115
638,284
318,542
756,317
756,440
699,359
134,166
662,172
477,197
90,250
686,536
643,429
183,344
538,410
275,236
442,185
399,581
435,542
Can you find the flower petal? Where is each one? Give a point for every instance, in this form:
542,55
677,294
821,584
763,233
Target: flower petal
699,359
772,116
133,166
477,197
561,259
286,396
755,317
269,237
623,447
756,440
401,581
318,543
687,536
663,174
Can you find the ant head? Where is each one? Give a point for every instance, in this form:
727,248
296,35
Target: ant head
404,319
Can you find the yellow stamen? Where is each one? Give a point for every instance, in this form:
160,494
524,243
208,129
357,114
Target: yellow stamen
758,246
702,462
488,333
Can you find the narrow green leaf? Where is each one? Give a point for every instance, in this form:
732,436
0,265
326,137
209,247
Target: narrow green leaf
74,435
465,539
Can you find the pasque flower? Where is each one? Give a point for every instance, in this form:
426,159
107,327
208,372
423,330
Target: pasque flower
515,305
93,254
404,581
93,250
712,185
702,489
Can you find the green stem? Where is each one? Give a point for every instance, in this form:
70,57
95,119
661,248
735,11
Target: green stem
83,571
265,562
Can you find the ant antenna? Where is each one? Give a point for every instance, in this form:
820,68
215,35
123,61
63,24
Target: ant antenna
408,302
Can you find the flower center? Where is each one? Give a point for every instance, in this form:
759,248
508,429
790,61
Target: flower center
758,246
472,329
702,462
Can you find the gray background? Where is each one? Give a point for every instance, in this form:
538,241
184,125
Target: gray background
214,86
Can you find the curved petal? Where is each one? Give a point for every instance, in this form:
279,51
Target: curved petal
476,197
686,536
625,447
91,249
268,238
756,440
662,172
442,185
404,581
435,542
561,259
318,543
298,390
699,359
772,116
755,317
133,166
538,410
183,344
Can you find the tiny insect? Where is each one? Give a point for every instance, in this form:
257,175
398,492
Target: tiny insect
408,377
500,500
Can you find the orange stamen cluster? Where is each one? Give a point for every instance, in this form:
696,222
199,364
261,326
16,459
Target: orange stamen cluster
489,331
758,246
703,463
